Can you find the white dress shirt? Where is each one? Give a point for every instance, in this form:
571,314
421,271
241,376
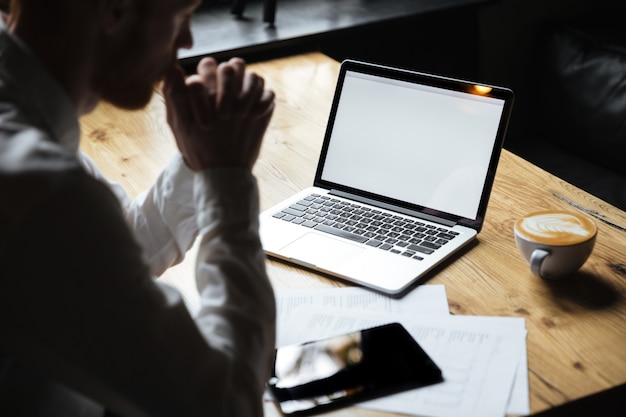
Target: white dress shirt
83,325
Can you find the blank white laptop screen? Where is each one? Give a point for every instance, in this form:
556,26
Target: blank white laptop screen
401,149
440,142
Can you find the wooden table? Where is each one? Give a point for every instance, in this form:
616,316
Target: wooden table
576,337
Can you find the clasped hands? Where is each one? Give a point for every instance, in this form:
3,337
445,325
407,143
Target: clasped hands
218,115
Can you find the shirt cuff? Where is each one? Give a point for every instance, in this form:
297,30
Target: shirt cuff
226,195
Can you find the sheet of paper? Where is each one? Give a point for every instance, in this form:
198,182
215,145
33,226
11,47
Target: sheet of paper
425,299
519,402
478,356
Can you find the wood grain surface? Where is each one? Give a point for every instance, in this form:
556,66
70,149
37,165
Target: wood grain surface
576,326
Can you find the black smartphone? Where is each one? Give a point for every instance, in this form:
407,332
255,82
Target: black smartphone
341,370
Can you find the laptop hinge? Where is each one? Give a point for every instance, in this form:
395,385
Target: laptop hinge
391,207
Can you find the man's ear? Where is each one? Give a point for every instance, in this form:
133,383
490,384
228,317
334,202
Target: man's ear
113,13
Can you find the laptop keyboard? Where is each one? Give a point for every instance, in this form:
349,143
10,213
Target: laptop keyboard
396,234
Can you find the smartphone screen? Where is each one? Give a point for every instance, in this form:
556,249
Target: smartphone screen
344,369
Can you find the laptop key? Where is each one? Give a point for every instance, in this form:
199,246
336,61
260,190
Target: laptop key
430,245
446,236
341,233
421,249
293,212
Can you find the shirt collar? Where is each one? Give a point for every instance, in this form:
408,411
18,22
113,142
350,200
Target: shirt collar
38,91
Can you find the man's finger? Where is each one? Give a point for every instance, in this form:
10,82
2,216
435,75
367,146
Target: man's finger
229,82
251,92
200,103
264,105
207,70
240,66
175,94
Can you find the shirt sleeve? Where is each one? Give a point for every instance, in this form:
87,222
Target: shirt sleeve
85,310
230,250
162,218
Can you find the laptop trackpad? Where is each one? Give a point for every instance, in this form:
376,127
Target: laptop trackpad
322,251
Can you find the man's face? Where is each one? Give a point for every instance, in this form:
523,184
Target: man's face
138,58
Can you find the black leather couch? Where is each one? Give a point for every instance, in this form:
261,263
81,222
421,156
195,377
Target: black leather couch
575,115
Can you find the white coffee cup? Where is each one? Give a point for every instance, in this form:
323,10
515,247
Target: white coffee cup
555,243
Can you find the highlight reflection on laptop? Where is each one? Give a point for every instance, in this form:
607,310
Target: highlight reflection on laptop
403,178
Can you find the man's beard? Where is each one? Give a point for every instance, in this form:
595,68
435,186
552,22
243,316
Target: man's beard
129,98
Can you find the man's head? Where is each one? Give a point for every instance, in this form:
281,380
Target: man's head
115,50
140,42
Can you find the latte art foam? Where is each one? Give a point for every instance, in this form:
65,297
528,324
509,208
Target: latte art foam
556,228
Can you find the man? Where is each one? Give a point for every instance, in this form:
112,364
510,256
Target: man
84,329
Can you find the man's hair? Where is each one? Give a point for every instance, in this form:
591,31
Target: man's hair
43,10
10,6
5,5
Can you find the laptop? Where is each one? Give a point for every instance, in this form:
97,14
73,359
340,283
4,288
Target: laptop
402,181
